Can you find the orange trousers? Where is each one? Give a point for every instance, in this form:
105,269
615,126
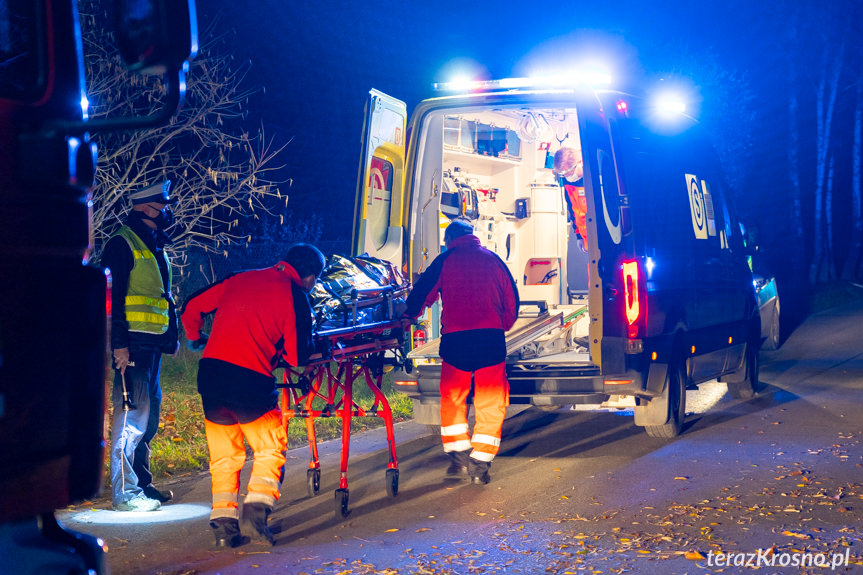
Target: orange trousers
268,439
490,398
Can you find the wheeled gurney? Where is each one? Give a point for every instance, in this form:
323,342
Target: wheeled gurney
354,352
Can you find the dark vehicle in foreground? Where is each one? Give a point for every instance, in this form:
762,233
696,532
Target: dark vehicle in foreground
52,412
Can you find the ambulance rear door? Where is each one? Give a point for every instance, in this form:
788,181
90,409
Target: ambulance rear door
606,230
379,209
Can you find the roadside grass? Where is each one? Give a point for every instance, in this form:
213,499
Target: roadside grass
180,447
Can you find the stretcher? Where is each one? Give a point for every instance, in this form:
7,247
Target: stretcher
347,355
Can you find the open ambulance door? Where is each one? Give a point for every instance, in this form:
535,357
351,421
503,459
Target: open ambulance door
379,208
605,231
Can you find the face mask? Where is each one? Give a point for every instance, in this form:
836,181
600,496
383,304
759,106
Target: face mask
164,220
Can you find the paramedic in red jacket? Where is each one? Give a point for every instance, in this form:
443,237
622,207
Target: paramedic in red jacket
261,316
479,302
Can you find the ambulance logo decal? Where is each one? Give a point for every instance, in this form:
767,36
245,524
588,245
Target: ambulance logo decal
700,207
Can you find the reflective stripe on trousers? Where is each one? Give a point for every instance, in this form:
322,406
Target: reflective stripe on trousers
268,439
490,398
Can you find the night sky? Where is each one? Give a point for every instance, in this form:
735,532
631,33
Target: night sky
315,63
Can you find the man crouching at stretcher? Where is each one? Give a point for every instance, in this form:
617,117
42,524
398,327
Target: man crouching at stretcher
479,303
261,316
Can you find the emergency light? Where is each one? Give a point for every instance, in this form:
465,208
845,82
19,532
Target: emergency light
586,78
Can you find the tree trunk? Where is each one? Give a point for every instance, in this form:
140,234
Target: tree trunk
800,265
825,104
830,256
854,263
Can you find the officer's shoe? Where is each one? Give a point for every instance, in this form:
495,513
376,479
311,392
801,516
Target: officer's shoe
458,463
138,503
160,496
479,471
254,522
226,531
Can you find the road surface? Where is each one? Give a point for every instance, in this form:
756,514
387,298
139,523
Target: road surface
774,478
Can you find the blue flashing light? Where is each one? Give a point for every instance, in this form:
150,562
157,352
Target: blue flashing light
649,264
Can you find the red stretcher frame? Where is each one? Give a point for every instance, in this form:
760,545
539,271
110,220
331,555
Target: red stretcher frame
353,354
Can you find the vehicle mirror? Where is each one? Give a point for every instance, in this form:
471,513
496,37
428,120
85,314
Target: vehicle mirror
157,36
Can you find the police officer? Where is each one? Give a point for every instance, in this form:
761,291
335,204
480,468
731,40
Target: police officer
479,302
143,327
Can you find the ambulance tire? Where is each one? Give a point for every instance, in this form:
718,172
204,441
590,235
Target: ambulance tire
743,384
675,393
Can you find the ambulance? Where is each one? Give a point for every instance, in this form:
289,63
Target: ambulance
655,300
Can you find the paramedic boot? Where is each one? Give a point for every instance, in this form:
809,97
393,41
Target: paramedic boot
254,522
458,463
479,471
226,531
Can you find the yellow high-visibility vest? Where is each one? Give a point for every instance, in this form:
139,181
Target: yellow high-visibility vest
147,308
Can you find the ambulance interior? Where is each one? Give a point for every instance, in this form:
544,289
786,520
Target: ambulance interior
496,171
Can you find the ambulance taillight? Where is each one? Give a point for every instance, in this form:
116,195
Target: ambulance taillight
635,299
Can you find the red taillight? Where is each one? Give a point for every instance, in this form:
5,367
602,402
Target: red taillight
635,304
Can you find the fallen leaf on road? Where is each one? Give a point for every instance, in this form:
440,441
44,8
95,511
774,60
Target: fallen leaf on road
390,530
798,535
681,478
694,556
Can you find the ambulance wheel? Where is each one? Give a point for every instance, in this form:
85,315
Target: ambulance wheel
392,482
313,481
675,390
341,502
743,384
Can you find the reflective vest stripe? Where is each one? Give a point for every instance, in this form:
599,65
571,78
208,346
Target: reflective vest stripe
144,300
144,317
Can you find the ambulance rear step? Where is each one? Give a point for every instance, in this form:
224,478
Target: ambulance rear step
529,326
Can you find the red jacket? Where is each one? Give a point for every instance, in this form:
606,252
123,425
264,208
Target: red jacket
475,286
261,315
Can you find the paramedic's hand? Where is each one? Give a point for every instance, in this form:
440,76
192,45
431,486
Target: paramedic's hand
580,243
121,358
198,344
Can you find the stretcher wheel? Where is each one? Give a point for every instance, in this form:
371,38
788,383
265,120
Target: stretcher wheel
341,502
392,482
313,481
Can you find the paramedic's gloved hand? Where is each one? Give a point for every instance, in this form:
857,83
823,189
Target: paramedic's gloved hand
580,242
198,344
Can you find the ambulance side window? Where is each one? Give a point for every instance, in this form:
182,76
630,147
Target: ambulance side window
380,186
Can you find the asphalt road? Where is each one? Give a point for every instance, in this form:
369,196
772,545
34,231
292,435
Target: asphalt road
780,475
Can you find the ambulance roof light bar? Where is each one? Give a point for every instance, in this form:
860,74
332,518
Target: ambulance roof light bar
593,79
